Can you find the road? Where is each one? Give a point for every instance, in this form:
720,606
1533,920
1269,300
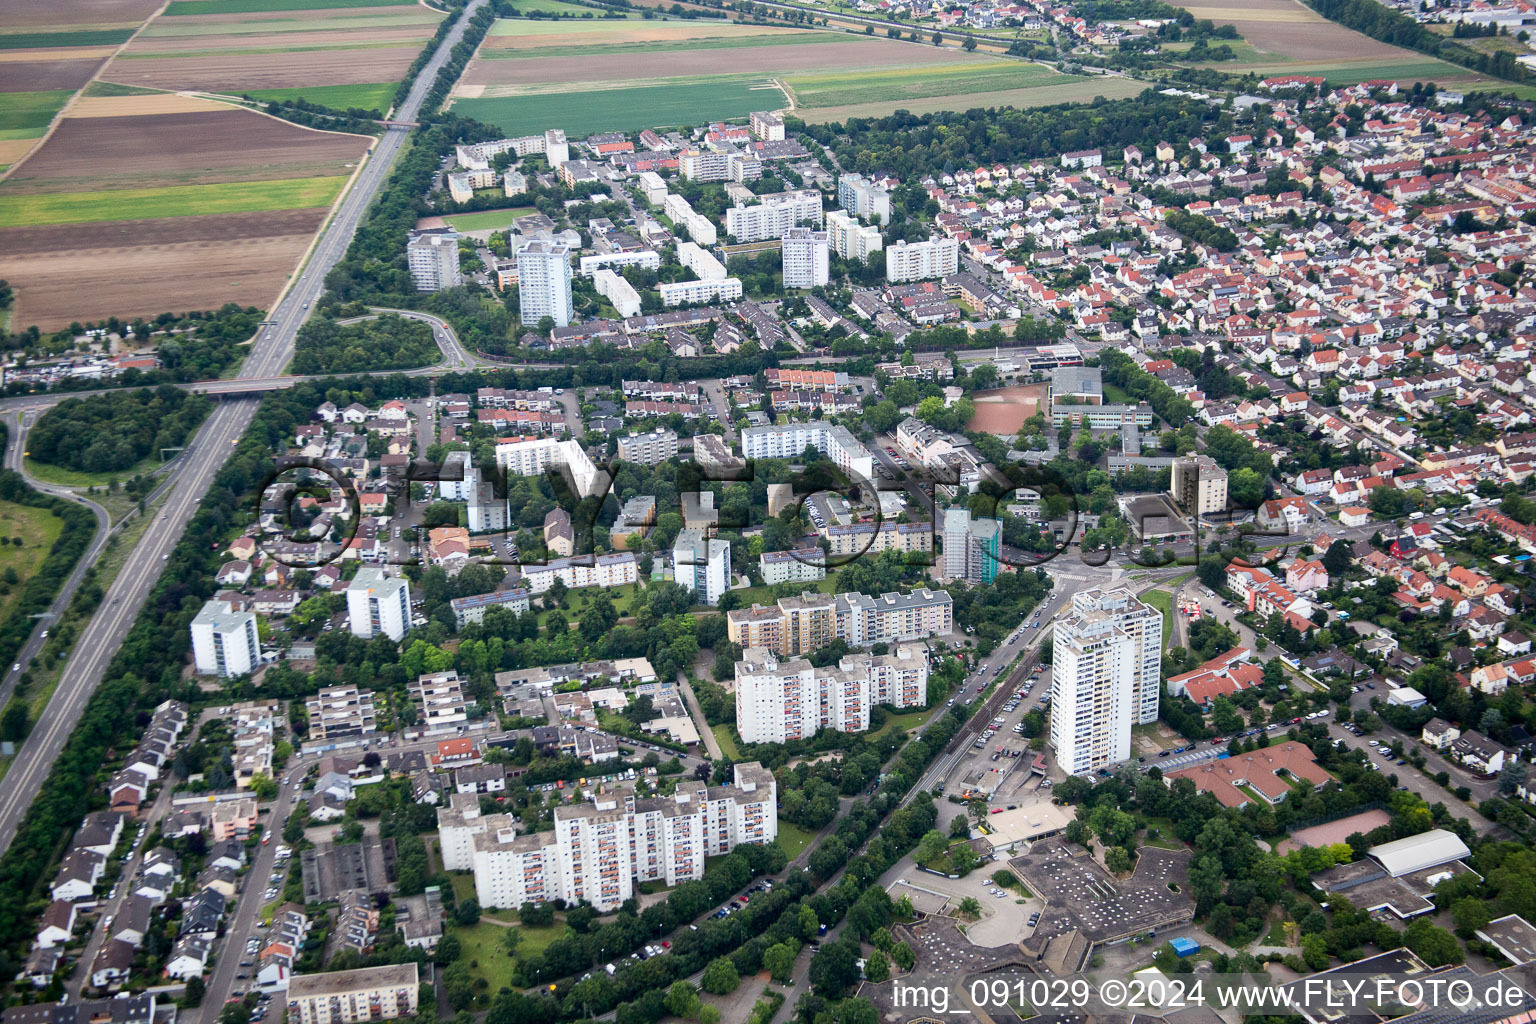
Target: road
271,352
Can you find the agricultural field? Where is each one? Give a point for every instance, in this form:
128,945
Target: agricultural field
732,70
339,53
224,202
42,66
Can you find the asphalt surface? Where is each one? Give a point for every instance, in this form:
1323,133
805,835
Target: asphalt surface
271,352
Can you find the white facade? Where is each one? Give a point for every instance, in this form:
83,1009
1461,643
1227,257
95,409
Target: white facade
614,570
617,291
1108,655
806,255
702,564
433,259
778,701
598,851
378,603
652,187
647,258
649,449
1199,485
699,227
788,441
917,261
850,239
225,642
704,266
556,150
774,215
784,567
676,293
863,198
768,125
532,456
544,283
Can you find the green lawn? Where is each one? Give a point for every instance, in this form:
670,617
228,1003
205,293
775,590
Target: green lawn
30,111
483,949
171,201
99,88
793,839
1162,600
910,721
262,6
62,477
338,97
488,218
84,37
664,105
877,85
38,529
727,741
719,43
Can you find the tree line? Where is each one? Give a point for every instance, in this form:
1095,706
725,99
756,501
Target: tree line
114,431
388,342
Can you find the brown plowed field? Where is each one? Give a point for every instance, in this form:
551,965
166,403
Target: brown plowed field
92,271
238,72
274,41
54,14
745,60
181,149
317,14
46,75
1291,29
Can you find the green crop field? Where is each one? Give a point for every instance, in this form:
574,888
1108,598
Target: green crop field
487,218
343,22
84,37
173,201
680,102
662,46
572,10
30,111
1350,72
100,88
893,84
337,97
263,6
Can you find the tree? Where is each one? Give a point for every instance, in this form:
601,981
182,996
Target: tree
1433,944
467,913
938,39
969,44
779,961
682,999
1245,488
903,956
192,995
720,977
931,847
970,907
877,967
959,827
809,925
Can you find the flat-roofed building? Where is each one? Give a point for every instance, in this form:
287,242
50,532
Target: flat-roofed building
850,239
918,261
349,997
224,641
774,214
649,449
1105,678
789,441
779,701
473,607
803,566
378,603
441,700
337,712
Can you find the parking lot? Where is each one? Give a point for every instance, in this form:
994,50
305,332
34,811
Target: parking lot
998,763
1004,912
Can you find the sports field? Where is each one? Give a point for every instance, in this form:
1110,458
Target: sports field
667,103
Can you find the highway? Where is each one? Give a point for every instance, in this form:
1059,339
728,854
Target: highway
271,353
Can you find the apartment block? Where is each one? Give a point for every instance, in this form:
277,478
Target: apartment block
704,266
647,259
867,538
338,712
1199,485
225,642
768,126
1108,659
714,454
806,258
378,603
702,564
622,294
677,293
804,566
773,215
531,456
652,187
789,441
918,261
613,570
699,227
863,198
432,256
795,626
850,239
778,701
457,826
649,449
473,608
441,700
350,997
972,546
544,283
600,850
